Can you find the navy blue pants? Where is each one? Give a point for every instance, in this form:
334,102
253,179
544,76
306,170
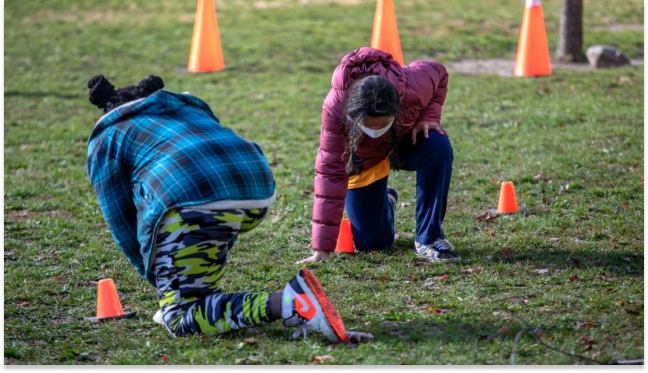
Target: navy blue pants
372,214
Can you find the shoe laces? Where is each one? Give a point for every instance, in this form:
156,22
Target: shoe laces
442,244
302,329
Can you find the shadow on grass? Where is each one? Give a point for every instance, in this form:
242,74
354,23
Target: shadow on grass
621,263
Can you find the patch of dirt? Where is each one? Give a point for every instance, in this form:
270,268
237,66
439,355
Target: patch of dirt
620,27
290,4
504,67
22,215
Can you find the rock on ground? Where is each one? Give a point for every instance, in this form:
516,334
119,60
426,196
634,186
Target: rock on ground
600,56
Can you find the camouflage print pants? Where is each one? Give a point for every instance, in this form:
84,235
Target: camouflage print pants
191,252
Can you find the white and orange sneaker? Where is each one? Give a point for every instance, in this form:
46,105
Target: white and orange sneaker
305,306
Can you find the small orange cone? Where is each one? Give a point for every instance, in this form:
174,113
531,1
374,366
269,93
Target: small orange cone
345,238
385,31
533,50
507,201
108,304
206,52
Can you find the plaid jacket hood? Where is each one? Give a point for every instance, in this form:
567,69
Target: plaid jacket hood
165,151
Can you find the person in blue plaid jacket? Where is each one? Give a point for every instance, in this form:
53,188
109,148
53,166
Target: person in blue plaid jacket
176,189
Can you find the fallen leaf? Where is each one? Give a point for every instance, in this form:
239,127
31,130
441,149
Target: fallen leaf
307,192
164,358
319,359
9,253
305,230
250,341
396,236
624,79
59,277
391,323
412,279
573,278
506,252
23,304
625,206
487,217
444,277
406,204
503,331
538,176
383,279
471,270
543,270
435,310
518,300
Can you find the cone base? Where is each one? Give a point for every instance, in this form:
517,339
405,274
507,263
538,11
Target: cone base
125,315
522,75
204,70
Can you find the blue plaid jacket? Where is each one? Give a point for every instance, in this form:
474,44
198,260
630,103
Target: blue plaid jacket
165,151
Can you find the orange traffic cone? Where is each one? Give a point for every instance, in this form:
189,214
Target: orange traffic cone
533,51
385,31
345,238
507,201
206,53
108,304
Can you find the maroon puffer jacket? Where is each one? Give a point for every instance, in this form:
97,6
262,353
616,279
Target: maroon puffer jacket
422,87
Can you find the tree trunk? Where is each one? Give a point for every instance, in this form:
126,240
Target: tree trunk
570,40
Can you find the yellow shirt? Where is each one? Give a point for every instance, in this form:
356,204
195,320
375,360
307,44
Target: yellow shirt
367,177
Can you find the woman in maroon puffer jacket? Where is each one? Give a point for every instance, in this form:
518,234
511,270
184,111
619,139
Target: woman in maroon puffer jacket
380,116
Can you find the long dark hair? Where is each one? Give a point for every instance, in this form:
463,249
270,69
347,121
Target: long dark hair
370,96
104,96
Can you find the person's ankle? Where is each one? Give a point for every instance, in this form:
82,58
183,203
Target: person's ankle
274,303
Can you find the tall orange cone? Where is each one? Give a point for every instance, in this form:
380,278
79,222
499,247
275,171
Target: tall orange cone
345,238
108,304
533,50
385,31
206,52
507,201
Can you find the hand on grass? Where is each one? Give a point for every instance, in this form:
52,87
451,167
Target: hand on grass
425,127
357,336
319,256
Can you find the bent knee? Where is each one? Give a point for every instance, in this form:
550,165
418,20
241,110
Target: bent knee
374,243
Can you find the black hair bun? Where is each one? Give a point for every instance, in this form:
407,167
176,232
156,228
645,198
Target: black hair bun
100,91
151,84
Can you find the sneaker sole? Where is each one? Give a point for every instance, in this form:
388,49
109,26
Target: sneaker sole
333,319
457,259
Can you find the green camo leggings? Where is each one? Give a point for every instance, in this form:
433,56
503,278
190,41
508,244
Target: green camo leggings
191,252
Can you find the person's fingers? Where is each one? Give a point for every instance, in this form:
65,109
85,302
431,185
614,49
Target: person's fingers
358,336
426,128
439,130
414,135
310,259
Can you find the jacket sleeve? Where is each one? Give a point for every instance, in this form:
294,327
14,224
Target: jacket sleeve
437,76
331,180
112,186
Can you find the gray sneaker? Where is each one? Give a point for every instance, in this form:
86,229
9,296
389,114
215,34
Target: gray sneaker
439,251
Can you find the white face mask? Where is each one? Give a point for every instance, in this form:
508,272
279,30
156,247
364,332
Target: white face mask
375,133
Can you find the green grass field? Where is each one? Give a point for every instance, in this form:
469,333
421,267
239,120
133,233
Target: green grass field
571,142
